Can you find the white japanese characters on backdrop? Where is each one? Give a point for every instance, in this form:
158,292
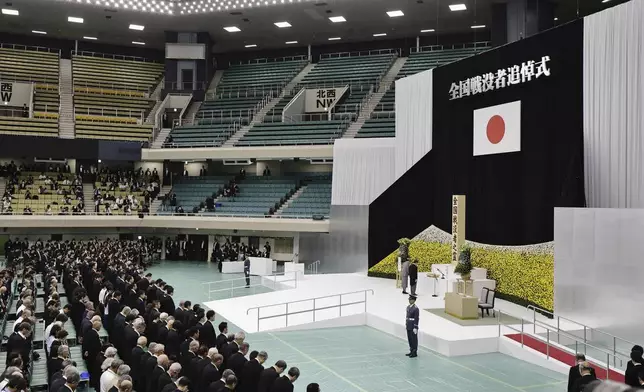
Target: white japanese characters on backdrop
504,77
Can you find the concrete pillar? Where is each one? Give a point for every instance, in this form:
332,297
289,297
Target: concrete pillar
211,246
296,248
163,249
417,43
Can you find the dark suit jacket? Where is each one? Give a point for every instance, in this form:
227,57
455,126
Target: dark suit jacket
135,362
17,343
164,381
163,334
142,375
153,382
209,374
129,342
186,364
217,386
236,363
167,305
221,342
54,365
91,345
173,344
581,382
56,385
574,375
170,388
250,375
148,370
230,349
266,379
64,388
631,375
207,334
282,384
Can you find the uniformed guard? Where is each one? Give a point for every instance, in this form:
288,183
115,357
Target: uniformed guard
247,271
411,323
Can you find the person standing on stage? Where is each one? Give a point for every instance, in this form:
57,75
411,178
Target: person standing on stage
404,274
413,275
247,271
411,323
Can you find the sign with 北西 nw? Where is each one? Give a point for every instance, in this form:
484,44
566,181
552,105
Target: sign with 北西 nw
458,225
320,100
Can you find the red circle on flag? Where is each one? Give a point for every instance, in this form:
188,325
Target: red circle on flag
495,129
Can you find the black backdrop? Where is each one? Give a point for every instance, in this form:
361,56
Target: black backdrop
510,197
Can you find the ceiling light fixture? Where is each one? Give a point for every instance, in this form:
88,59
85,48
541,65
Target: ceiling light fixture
73,19
290,42
250,46
395,14
232,29
282,25
478,26
380,34
39,32
605,1
138,43
337,19
90,38
457,7
427,31
334,38
7,11
136,27
556,19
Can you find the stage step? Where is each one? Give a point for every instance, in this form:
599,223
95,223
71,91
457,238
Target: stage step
563,356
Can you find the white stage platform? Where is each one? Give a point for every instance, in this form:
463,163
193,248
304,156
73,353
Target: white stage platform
385,311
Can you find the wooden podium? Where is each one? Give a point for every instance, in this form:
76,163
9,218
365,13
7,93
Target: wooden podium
462,306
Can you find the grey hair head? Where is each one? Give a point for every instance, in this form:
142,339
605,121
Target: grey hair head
227,373
123,370
606,386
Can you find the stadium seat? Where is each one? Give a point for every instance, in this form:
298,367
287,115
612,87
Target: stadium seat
315,199
30,64
100,129
435,56
29,126
242,88
257,195
113,74
295,133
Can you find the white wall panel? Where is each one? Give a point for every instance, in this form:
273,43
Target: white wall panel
414,116
185,51
362,170
613,102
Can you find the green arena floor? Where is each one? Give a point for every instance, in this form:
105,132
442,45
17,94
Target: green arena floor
363,359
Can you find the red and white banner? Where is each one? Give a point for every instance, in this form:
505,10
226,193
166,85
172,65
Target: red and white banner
497,129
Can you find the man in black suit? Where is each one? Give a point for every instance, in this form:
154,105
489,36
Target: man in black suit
220,385
574,373
135,361
59,379
237,360
144,283
197,364
413,275
139,302
193,336
113,308
71,383
188,357
167,303
269,375
587,376
207,331
285,383
251,373
151,363
142,376
19,342
210,372
222,338
55,363
173,341
166,379
91,348
182,385
158,373
179,312
130,338
233,346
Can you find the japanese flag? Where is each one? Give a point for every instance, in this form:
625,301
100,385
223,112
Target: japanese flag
497,129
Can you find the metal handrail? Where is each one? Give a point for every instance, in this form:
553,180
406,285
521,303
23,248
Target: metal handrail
30,47
548,341
113,56
313,267
359,53
232,281
287,313
586,328
473,45
269,60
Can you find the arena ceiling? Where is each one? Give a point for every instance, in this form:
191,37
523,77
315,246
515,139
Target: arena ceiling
109,21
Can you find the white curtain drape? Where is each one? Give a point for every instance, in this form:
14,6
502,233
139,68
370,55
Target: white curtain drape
414,109
362,170
614,106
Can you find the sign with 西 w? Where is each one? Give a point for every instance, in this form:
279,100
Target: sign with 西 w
320,100
15,93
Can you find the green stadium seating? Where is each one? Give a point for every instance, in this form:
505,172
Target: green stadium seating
435,56
112,131
295,133
315,199
378,127
29,64
192,191
102,74
257,195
